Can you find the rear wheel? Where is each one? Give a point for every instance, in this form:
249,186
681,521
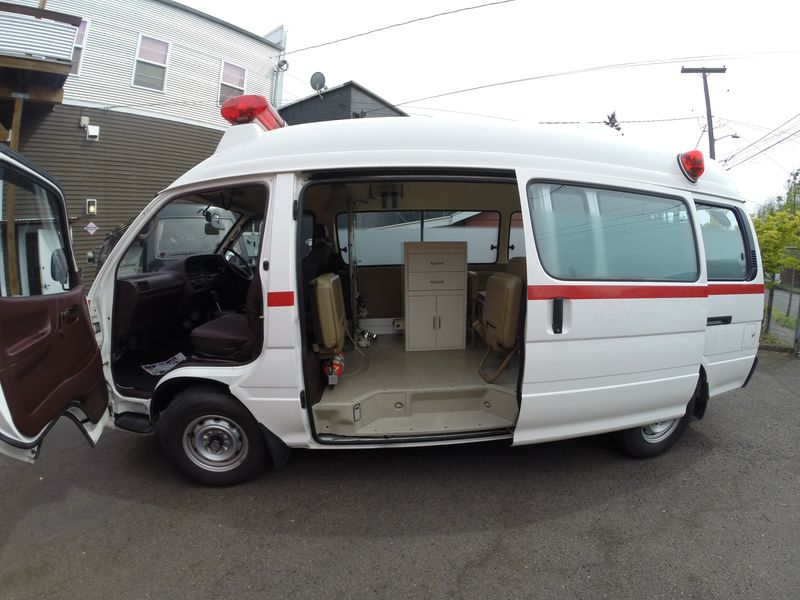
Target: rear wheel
653,439
212,438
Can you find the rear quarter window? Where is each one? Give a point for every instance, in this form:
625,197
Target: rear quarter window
724,242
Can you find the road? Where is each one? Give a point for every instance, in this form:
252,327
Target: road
715,517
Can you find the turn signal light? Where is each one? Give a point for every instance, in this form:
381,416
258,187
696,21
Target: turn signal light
249,108
692,164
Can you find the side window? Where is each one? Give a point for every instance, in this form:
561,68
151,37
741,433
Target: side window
480,229
35,258
604,234
726,256
248,243
152,56
77,49
380,234
516,236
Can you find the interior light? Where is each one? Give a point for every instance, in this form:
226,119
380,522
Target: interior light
692,164
249,108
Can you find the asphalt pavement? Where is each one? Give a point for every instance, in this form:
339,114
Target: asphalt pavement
715,517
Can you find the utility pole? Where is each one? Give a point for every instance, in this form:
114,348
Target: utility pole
704,71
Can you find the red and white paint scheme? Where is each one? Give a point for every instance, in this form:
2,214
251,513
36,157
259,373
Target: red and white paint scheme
638,272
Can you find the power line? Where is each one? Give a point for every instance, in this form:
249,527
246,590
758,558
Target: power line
626,65
766,135
744,160
417,20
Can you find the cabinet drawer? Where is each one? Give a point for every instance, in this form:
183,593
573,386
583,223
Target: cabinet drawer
445,261
453,280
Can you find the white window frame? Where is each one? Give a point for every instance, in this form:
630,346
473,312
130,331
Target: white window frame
82,46
222,72
136,61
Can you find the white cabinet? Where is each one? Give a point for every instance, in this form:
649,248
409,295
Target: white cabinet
435,284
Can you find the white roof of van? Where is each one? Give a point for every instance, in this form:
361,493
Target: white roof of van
410,143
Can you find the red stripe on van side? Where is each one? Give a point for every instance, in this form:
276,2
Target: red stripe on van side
614,292
726,289
280,299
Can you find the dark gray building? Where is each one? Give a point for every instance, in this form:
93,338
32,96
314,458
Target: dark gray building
347,101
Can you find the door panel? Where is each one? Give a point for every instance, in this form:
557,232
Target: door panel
421,322
735,295
451,321
49,360
626,347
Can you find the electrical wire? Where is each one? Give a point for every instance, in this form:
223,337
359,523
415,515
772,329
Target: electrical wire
394,25
744,160
625,65
766,135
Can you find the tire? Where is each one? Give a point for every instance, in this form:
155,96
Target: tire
651,440
211,438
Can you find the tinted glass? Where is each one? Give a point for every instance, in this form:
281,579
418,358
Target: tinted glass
723,242
600,234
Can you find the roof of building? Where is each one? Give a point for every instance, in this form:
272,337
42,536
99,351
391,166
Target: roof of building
231,26
351,84
416,143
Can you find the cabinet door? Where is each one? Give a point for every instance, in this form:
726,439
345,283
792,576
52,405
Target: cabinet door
421,323
451,321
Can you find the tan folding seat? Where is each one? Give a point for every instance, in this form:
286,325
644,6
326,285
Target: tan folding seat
518,266
330,320
500,325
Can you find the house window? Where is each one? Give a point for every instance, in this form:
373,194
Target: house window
231,81
151,63
77,48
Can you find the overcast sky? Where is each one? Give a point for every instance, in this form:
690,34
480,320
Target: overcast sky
757,42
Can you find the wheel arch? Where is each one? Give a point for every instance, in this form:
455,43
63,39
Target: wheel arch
167,392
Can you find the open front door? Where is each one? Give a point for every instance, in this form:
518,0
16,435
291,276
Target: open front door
49,361
617,306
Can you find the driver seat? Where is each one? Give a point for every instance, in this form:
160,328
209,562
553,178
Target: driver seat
233,336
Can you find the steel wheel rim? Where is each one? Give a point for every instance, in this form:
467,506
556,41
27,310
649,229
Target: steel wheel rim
659,431
215,443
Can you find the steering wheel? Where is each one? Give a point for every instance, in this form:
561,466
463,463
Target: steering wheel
238,265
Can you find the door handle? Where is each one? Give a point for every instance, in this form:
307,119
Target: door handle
70,315
726,320
558,315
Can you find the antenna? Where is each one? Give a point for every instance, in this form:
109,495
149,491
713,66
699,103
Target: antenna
318,83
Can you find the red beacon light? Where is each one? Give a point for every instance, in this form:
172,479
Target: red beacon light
692,164
249,108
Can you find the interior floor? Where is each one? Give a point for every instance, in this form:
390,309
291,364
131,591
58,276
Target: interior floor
388,391
132,379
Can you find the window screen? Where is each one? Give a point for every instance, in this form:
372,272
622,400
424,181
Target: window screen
603,234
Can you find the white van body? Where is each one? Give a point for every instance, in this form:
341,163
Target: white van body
611,338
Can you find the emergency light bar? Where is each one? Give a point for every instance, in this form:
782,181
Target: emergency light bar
692,164
249,108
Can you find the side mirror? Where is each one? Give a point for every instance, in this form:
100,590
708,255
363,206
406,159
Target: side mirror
59,270
211,230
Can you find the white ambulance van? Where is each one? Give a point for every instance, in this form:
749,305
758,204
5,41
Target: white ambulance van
381,283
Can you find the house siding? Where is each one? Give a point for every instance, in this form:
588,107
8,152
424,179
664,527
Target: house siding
197,48
135,158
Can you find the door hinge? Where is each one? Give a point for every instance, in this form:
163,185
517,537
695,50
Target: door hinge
302,398
295,209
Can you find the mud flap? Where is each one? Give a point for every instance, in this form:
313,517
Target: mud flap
279,451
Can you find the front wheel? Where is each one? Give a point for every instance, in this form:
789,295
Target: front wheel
211,438
651,440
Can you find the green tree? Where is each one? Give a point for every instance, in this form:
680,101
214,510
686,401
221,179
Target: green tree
777,232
